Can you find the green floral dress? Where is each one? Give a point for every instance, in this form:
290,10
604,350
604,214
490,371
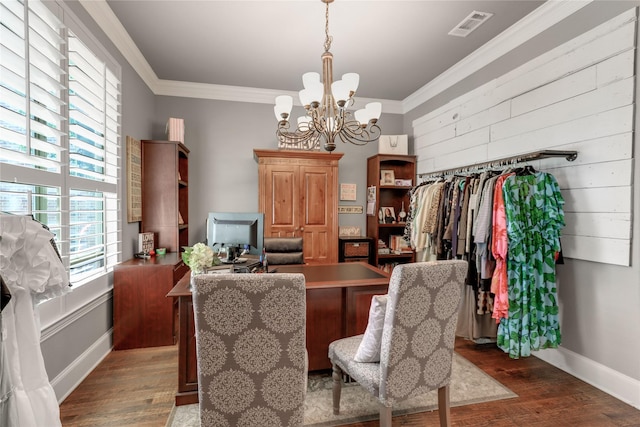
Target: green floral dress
535,217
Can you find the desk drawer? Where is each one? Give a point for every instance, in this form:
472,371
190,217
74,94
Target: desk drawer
359,249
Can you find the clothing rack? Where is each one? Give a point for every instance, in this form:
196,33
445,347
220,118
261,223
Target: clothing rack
512,160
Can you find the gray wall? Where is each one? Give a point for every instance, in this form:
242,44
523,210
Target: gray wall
223,174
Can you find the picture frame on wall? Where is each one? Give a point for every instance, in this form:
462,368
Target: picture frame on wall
134,179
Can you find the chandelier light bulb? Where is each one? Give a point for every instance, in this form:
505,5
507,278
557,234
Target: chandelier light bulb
374,109
282,109
361,116
278,112
303,123
310,78
351,80
305,97
340,91
316,90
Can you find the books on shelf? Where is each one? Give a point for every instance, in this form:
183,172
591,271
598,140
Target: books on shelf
399,245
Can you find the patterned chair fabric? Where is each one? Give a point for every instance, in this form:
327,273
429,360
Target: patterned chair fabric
417,340
251,349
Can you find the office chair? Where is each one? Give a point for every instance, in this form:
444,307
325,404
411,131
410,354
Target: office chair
284,250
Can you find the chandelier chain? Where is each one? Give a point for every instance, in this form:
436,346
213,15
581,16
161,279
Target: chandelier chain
328,39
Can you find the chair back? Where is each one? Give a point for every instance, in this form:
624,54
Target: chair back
419,329
284,250
250,348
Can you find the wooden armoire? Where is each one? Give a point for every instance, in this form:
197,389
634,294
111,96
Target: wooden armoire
298,193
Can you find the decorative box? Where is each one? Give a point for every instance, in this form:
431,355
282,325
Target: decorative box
175,129
393,144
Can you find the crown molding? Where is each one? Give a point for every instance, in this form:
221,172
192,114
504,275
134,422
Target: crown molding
100,11
548,14
246,94
539,20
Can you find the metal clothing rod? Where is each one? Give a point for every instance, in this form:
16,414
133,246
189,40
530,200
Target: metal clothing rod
512,160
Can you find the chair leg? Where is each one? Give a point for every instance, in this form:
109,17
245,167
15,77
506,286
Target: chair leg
443,406
337,388
385,416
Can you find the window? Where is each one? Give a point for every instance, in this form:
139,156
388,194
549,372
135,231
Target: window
59,134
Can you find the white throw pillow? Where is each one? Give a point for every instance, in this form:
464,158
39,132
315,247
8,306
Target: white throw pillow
369,349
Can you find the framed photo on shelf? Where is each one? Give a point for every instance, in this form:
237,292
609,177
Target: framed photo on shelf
387,177
145,242
388,215
404,182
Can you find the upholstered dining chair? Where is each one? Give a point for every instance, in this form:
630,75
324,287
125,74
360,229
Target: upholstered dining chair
412,353
250,349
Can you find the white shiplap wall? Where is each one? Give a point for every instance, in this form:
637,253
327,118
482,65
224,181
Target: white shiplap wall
579,96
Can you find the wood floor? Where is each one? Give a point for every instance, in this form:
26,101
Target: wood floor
136,388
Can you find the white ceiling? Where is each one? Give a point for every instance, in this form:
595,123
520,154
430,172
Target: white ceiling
397,47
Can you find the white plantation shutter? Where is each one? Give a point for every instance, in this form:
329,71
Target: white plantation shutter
94,102
60,135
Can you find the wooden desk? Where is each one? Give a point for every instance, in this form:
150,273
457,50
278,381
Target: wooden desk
338,300
142,316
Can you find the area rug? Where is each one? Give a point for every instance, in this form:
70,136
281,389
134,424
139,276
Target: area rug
469,385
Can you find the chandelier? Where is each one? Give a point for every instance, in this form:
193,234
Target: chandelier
326,106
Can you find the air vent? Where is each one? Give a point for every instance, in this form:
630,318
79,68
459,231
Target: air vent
470,23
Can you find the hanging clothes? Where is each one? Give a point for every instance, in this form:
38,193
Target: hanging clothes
535,217
33,272
481,219
443,213
499,249
426,208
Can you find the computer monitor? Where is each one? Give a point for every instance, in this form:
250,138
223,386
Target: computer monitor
236,229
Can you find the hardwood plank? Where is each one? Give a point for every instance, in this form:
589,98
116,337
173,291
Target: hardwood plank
136,387
128,388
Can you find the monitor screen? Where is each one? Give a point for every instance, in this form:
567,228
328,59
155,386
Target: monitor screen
236,229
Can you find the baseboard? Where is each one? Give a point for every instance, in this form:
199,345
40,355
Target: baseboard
612,382
65,382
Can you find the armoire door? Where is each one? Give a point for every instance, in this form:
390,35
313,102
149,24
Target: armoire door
316,218
282,207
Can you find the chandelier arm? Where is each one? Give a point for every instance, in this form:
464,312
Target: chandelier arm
307,139
354,133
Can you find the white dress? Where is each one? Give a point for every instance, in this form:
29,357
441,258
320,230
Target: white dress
30,267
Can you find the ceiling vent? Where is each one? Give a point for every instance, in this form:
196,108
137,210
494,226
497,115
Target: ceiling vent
470,23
